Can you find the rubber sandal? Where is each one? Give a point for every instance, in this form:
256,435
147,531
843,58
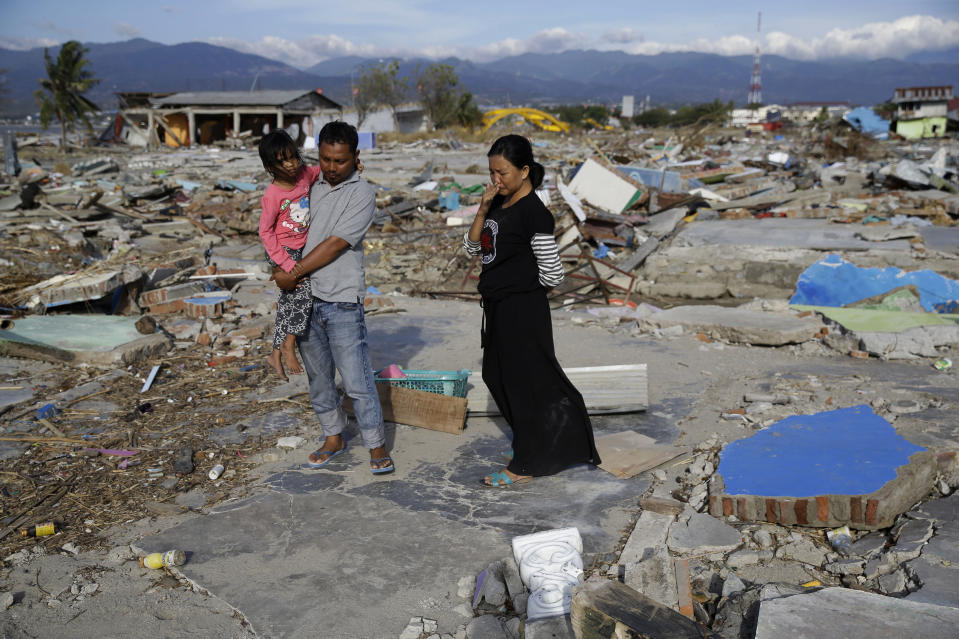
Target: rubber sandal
326,461
382,471
502,480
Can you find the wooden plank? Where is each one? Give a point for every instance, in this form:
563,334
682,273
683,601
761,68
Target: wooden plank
610,610
606,390
684,593
417,408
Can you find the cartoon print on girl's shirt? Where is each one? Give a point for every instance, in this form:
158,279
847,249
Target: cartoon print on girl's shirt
299,212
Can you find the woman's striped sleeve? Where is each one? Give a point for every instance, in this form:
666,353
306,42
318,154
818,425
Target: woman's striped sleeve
473,248
547,260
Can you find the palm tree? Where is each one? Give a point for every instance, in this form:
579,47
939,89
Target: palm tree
61,95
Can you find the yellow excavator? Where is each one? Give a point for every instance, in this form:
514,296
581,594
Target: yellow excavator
597,125
541,119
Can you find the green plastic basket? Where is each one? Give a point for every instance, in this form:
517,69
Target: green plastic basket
450,383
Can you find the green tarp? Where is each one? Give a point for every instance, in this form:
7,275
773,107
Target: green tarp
876,321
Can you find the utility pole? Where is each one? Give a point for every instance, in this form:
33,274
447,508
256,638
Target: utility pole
756,83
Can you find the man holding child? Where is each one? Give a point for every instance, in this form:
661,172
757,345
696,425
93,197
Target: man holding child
342,206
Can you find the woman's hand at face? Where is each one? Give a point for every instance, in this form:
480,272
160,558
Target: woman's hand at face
488,196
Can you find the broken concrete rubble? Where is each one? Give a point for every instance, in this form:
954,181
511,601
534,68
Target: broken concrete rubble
702,533
738,325
751,233
647,565
854,614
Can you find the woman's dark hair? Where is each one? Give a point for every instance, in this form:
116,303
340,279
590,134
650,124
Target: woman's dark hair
273,146
519,152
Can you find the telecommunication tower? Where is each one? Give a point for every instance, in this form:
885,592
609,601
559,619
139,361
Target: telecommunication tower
756,82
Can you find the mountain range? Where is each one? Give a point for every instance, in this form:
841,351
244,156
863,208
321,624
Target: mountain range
533,78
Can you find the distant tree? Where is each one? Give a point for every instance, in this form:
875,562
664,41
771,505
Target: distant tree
686,114
61,93
822,116
652,118
716,112
468,114
713,112
571,113
577,114
445,103
597,113
886,110
379,85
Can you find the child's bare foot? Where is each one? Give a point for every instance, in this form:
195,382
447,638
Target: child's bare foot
288,352
277,365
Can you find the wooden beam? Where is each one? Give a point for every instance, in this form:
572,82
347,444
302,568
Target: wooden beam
153,138
166,127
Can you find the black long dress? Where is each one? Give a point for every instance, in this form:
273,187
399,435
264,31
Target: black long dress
551,429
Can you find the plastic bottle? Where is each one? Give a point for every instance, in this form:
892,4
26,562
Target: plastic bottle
159,560
841,540
41,530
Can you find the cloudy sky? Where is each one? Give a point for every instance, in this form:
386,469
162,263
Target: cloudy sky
304,33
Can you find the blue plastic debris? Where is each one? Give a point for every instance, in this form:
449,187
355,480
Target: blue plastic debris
236,185
47,410
867,121
601,252
833,281
849,451
372,290
187,185
449,201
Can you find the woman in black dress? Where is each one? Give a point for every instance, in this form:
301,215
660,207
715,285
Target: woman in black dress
513,231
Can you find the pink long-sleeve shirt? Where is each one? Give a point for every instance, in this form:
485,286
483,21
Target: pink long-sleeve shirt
285,217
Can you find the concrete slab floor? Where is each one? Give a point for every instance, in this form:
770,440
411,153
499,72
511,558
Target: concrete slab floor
357,555
339,553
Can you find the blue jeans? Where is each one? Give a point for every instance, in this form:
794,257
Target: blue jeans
336,337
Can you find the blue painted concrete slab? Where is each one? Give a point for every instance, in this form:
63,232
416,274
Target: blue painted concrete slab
833,281
849,451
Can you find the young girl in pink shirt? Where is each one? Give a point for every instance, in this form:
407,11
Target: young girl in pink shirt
284,222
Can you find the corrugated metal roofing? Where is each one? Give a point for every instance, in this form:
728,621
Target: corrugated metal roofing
606,389
230,98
